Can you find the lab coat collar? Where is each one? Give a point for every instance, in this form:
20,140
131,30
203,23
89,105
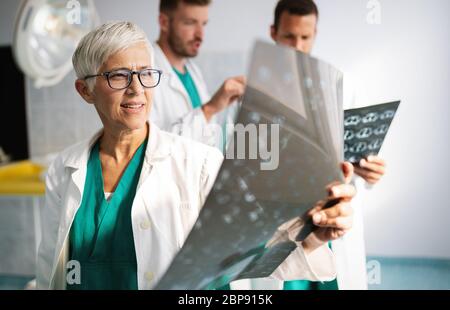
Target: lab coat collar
79,153
157,149
165,64
163,61
166,67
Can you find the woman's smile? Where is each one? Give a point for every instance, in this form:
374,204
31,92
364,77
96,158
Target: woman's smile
133,107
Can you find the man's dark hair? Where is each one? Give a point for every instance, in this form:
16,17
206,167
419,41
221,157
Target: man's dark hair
171,5
294,7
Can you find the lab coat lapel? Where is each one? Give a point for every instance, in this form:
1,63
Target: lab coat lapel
172,79
76,162
176,85
156,151
198,81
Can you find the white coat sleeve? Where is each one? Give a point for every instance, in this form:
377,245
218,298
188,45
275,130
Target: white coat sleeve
50,223
211,166
194,126
318,265
216,133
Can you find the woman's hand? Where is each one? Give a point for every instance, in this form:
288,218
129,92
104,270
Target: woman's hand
333,222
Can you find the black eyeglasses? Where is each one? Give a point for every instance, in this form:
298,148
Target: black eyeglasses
121,79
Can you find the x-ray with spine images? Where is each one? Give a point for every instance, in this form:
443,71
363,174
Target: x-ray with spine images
294,104
366,128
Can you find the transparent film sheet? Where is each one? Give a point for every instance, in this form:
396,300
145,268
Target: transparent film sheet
366,129
292,101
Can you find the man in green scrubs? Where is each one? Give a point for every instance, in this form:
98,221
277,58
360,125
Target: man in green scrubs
182,104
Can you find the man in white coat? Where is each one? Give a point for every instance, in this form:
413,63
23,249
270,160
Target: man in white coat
295,25
182,104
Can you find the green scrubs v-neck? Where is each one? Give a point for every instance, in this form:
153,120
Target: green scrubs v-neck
101,236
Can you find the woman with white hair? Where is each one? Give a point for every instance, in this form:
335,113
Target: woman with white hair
119,206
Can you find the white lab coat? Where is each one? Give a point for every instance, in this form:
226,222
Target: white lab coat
172,108
176,177
350,250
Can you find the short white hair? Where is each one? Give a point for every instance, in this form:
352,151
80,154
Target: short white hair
98,45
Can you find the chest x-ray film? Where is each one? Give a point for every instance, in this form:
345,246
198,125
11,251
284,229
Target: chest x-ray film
286,149
366,128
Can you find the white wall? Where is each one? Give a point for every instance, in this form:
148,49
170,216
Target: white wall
405,57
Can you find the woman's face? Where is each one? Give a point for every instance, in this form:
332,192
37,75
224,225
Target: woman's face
125,109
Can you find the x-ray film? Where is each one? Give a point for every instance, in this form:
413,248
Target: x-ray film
293,103
366,128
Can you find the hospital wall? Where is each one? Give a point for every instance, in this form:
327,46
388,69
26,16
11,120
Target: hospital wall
404,57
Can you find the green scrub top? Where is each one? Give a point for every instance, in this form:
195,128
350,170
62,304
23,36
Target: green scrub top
101,236
189,85
302,285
